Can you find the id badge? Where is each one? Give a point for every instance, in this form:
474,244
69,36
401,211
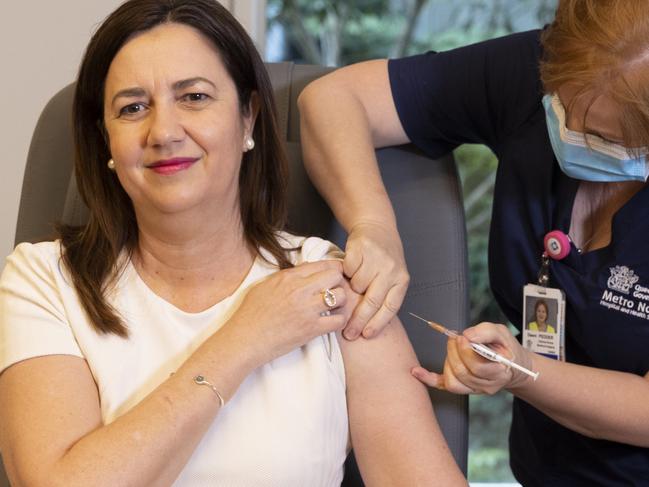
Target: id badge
544,321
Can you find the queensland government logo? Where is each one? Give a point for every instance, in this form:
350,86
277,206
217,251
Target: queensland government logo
630,298
622,279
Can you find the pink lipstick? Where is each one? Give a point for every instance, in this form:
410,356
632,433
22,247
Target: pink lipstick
172,166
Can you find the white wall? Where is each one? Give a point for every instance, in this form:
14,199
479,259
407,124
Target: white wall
41,44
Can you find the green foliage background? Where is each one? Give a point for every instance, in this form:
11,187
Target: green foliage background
336,33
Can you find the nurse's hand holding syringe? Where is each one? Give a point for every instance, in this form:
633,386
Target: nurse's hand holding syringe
480,349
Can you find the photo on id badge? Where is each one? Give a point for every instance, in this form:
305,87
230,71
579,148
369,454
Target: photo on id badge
543,321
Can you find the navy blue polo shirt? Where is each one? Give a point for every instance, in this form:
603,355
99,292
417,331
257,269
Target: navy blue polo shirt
490,93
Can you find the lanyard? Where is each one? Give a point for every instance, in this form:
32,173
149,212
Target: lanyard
544,307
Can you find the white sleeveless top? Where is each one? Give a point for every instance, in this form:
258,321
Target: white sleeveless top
285,426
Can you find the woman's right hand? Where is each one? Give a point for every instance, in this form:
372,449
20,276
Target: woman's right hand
287,309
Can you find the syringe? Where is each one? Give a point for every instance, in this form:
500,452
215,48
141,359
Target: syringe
480,349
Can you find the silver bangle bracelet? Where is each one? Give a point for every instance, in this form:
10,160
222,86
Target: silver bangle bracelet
200,380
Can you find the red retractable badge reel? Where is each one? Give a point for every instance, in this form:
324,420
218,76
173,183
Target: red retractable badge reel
556,244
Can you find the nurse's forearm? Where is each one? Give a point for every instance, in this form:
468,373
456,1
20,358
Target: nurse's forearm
597,403
343,117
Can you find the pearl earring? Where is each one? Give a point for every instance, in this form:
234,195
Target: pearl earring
111,164
248,143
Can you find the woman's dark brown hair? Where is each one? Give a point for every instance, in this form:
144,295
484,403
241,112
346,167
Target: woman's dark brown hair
92,252
601,47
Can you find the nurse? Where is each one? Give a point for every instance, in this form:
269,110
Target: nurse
566,111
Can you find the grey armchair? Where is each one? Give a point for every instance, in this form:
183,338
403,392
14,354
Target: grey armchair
426,196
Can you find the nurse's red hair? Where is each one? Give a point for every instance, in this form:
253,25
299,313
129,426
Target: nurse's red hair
602,46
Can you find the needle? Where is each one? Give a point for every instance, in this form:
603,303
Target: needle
437,326
478,348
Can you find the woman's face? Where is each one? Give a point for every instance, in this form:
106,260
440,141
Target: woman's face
541,313
175,128
602,117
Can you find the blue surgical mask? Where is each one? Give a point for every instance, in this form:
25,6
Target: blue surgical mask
598,160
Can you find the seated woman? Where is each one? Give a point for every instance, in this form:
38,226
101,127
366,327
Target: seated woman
179,336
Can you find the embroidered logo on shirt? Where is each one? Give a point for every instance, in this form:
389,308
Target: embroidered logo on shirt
624,294
622,279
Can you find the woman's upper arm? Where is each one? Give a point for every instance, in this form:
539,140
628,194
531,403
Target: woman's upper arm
46,405
395,435
48,397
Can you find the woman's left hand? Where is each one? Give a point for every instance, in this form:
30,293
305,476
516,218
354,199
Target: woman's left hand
466,372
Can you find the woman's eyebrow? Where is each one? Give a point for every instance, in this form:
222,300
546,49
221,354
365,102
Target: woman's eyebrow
129,93
179,85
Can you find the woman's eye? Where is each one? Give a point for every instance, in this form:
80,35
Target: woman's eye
194,97
132,109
